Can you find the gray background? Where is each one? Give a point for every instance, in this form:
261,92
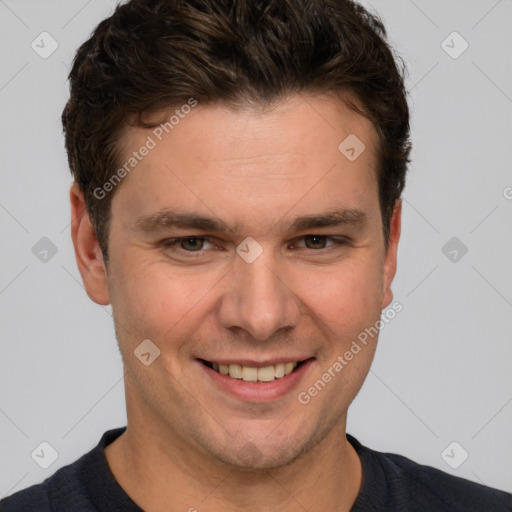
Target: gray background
442,370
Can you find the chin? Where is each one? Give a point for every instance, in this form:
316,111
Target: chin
260,454
249,458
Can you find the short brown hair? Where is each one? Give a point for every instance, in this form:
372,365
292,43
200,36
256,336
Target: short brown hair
152,55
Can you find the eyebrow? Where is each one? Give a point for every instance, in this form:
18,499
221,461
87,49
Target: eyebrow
168,219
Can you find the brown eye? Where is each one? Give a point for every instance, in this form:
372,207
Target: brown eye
187,246
320,242
315,241
192,244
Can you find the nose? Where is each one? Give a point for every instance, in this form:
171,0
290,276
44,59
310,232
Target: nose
258,299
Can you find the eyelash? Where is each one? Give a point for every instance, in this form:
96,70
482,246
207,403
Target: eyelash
172,243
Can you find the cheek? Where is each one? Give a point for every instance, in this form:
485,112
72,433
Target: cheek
346,297
153,299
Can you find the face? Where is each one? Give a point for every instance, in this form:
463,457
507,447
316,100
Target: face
246,243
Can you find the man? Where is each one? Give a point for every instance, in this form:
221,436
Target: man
238,171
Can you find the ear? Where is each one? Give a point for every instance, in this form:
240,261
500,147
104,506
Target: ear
88,254
391,254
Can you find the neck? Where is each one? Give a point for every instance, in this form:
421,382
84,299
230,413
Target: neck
162,472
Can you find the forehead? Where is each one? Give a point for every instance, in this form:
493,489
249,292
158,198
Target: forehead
301,152
305,123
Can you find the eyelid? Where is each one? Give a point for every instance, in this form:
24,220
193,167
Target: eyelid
170,242
336,240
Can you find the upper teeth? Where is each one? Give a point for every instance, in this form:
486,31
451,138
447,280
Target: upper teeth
252,374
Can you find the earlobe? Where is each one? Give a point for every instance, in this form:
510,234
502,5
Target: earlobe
390,262
88,253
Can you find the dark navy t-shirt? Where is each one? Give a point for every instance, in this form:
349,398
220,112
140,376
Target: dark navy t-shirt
390,483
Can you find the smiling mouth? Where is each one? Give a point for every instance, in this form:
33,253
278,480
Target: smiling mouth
253,374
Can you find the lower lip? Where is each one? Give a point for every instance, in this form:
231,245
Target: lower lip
258,391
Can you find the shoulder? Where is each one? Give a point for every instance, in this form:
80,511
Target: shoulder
45,497
32,498
435,486
406,485
67,489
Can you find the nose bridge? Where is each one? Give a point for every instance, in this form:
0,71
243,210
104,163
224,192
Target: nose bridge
257,298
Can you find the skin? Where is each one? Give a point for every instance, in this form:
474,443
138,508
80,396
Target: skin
190,444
